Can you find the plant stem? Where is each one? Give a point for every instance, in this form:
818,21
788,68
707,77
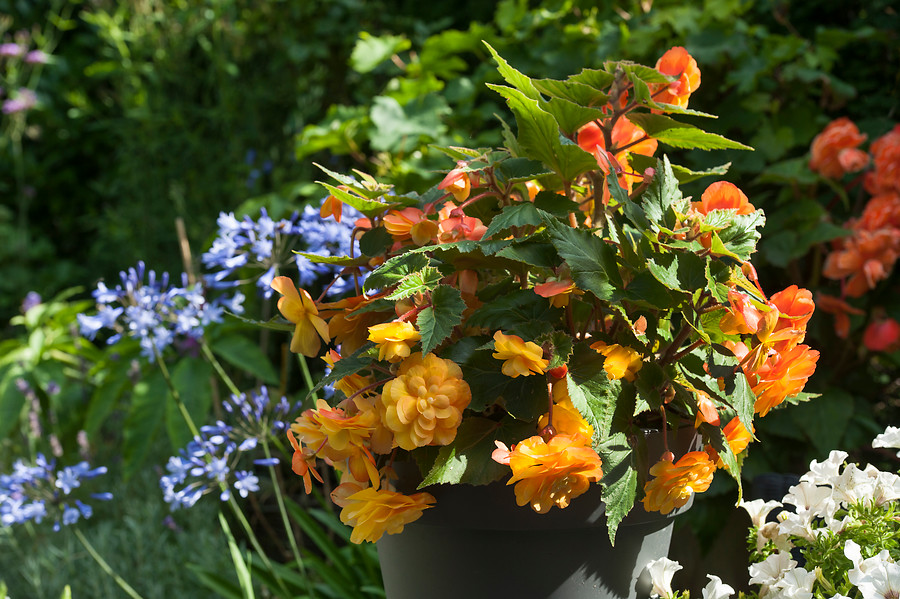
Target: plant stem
106,567
175,394
204,346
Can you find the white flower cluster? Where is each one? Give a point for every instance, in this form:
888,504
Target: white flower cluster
825,503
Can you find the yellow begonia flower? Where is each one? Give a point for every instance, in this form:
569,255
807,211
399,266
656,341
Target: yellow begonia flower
621,362
674,483
393,339
567,420
424,404
552,473
297,306
521,358
373,512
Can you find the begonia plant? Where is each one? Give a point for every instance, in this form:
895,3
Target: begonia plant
532,316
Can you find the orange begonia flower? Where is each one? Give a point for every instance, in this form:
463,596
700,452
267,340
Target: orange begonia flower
781,375
863,259
457,228
881,211
834,150
624,132
298,307
457,182
349,322
706,410
882,334
410,223
723,195
738,438
674,483
676,62
551,473
303,463
424,404
795,307
332,206
557,291
620,362
393,339
885,177
841,311
521,358
567,420
373,513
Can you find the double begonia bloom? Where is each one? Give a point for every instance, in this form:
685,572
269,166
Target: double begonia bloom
841,311
552,472
795,307
881,211
781,375
677,62
621,362
394,339
298,307
457,183
521,358
882,334
567,420
863,259
410,223
885,177
835,152
673,484
424,404
372,512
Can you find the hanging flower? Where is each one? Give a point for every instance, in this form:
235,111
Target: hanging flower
557,291
661,572
550,473
457,183
674,483
298,307
676,62
521,358
723,195
620,362
410,223
372,512
834,150
424,404
393,339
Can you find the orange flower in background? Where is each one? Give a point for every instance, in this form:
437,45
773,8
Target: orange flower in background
457,183
372,513
298,307
834,150
674,483
557,291
393,339
863,259
881,211
620,362
424,404
841,311
521,358
882,334
550,473
410,223
723,195
677,62
885,177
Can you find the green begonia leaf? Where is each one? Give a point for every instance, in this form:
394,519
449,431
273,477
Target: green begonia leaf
681,135
437,322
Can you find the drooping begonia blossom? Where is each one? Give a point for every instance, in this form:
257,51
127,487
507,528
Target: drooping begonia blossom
621,362
674,483
374,512
298,307
677,62
520,358
457,183
723,195
835,152
394,339
424,404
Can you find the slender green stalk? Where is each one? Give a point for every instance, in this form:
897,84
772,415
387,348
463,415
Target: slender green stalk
207,352
106,567
175,394
307,377
251,536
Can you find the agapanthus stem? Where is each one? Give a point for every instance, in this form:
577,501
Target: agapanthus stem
175,394
207,352
106,567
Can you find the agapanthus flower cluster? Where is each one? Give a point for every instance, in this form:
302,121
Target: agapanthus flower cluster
247,245
156,313
210,461
866,256
39,491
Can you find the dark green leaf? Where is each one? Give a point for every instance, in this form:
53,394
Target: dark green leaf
573,91
524,397
145,418
421,281
521,312
519,81
591,260
619,481
519,170
240,351
468,458
681,135
516,215
375,242
396,269
192,377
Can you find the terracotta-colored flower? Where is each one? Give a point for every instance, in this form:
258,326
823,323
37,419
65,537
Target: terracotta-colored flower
841,311
394,339
333,206
677,62
557,291
620,362
885,177
521,358
795,307
410,223
834,150
552,473
298,307
424,404
882,334
863,259
372,513
723,195
303,463
738,438
881,211
674,483
457,183
457,228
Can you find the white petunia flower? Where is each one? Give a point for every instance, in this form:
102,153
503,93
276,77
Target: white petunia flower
661,571
880,578
890,438
810,498
796,583
797,524
770,570
759,510
853,486
824,473
716,589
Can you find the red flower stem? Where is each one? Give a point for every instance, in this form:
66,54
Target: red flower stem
368,388
687,350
